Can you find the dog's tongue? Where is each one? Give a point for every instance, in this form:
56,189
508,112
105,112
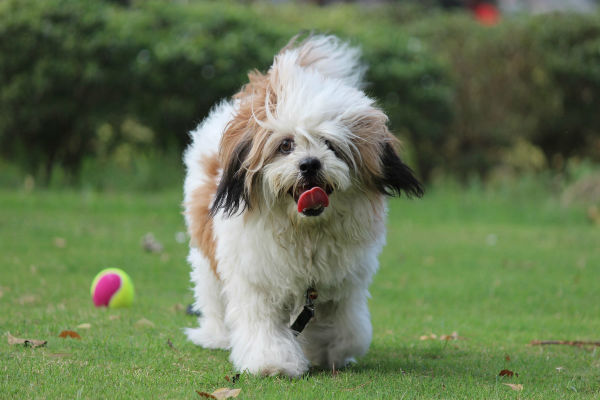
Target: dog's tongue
312,199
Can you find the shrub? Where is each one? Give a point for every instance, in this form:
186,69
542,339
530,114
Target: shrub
98,79
529,82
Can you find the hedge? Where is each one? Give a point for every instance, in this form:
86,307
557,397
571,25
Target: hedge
104,81
531,82
98,79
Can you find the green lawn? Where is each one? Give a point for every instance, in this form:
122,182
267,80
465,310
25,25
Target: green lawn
499,268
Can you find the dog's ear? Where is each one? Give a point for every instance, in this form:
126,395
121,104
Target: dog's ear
382,168
232,194
396,177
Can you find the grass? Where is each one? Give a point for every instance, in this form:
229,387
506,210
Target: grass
501,268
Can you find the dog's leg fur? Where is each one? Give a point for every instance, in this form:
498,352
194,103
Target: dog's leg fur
261,340
212,332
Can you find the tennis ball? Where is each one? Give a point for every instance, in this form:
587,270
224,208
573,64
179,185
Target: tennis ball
112,288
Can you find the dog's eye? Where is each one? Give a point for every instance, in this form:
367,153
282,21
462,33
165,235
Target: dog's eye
332,148
286,146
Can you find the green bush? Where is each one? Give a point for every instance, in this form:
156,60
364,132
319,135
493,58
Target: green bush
528,83
97,79
106,84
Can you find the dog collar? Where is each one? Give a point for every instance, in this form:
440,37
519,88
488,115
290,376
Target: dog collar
308,312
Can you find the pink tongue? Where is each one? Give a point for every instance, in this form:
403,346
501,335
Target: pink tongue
313,198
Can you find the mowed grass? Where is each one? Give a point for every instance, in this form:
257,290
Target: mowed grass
500,268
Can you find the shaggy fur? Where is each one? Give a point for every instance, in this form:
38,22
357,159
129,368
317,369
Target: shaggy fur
253,255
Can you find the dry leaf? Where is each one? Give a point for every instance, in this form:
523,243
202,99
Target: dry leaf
171,344
142,323
114,317
26,342
513,386
593,214
507,357
84,326
578,343
226,393
453,336
59,242
204,394
27,299
433,336
71,334
150,244
358,387
233,379
507,372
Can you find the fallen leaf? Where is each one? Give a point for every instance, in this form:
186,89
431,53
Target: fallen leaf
150,244
178,307
180,237
143,323
171,344
233,379
507,372
84,326
357,387
59,242
453,336
513,386
204,394
507,357
71,334
226,393
593,215
114,317
577,343
27,299
26,342
433,336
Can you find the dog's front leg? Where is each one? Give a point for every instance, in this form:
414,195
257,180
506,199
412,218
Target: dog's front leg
261,340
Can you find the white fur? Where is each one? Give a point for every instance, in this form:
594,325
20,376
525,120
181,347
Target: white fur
268,258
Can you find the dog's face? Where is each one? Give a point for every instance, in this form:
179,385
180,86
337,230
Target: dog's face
298,128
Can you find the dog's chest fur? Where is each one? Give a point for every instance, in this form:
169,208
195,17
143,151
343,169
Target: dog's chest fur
288,257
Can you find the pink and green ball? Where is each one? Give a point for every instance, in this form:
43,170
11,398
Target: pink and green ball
112,288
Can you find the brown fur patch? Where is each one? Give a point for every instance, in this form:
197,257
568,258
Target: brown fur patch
201,224
372,135
244,128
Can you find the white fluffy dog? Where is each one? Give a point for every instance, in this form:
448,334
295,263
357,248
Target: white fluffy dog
285,199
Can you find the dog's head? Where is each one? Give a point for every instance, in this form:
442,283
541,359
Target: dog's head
305,131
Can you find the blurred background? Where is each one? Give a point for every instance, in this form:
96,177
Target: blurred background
101,94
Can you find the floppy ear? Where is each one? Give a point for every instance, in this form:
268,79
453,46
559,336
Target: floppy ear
382,168
396,177
232,193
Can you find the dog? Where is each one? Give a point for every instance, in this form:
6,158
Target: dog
285,204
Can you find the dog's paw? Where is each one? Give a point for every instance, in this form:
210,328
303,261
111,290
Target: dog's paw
272,362
208,336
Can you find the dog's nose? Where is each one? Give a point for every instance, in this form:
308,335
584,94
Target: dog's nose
310,166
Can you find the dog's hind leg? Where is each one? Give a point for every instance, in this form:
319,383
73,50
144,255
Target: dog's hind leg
212,332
